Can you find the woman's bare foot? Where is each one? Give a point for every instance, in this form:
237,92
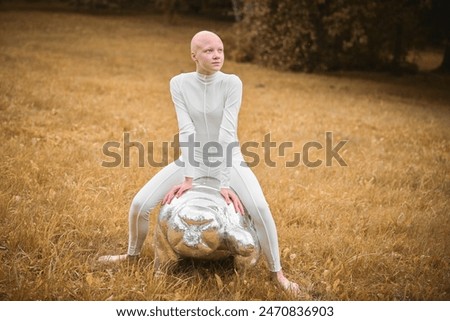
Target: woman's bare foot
289,286
113,258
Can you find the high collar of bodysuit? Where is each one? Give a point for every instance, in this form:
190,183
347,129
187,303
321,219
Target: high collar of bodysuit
207,79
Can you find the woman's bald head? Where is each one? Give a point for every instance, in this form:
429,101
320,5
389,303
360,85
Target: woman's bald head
207,52
202,39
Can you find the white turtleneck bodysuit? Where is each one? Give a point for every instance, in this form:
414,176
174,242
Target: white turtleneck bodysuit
207,109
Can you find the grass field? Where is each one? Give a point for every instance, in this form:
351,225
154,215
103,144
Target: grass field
376,229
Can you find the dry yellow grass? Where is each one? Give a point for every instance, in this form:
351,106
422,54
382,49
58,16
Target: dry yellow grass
377,229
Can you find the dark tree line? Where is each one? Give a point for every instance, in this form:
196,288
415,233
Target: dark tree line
316,35
437,22
310,35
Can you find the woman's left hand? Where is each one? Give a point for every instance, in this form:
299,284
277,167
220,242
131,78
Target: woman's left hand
231,197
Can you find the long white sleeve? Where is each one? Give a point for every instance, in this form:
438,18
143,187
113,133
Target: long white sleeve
186,127
229,125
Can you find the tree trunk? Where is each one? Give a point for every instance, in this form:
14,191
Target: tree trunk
445,65
397,51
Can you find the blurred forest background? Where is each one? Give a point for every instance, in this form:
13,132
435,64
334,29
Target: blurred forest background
309,35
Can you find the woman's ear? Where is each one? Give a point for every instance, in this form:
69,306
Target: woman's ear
193,56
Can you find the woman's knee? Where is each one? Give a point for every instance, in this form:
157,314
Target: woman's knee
139,207
259,212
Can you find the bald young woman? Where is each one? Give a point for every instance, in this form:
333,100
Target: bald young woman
207,104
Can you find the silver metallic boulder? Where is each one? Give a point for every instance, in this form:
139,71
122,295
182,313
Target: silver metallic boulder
199,224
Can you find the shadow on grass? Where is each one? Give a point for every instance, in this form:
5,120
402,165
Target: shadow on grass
431,87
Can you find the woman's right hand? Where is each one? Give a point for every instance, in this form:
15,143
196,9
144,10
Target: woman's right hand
177,190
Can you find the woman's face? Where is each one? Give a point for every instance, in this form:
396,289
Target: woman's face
209,54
